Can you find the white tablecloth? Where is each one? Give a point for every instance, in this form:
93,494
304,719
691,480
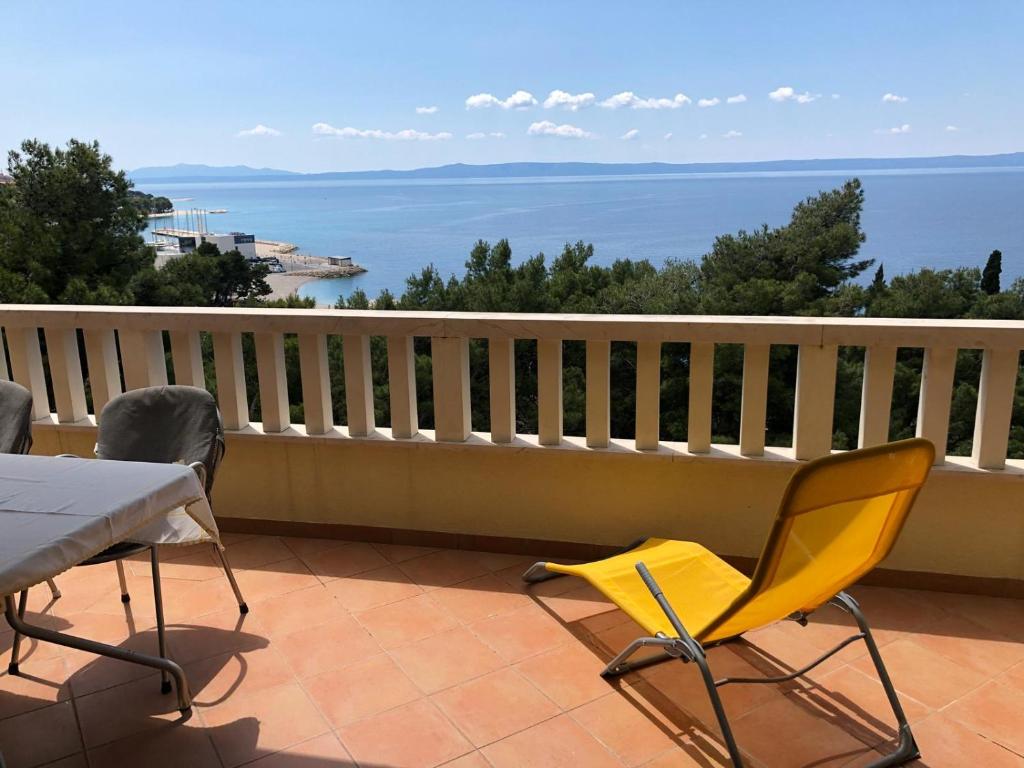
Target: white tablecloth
56,512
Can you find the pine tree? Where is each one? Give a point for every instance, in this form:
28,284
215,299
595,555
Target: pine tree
878,283
990,275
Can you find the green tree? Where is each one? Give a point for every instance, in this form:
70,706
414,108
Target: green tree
151,203
69,228
805,267
878,282
990,274
801,268
205,277
930,293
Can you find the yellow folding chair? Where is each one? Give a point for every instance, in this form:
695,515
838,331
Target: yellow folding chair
839,517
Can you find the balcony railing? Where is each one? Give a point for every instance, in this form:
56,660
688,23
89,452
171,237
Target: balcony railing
456,486
132,340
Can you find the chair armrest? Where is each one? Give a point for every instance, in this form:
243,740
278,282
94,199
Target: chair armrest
200,469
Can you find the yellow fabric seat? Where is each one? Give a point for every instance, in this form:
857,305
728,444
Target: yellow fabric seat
838,518
696,582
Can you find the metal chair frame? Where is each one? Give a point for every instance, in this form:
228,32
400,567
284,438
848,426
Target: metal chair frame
119,551
688,650
168,669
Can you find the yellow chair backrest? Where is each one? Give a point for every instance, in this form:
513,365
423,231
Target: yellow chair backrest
839,517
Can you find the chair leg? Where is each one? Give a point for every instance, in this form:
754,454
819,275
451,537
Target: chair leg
538,572
677,648
154,559
243,608
716,703
907,749
54,592
12,666
125,597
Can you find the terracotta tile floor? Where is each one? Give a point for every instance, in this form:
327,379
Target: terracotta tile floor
392,656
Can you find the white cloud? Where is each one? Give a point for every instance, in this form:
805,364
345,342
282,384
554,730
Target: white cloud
426,110
631,100
905,128
702,136
518,100
952,128
712,102
325,129
739,98
668,136
787,93
892,98
480,135
629,135
564,131
570,101
259,130
835,95
731,135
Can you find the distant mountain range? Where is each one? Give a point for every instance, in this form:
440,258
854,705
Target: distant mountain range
192,172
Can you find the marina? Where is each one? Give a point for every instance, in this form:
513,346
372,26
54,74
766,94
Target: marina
289,269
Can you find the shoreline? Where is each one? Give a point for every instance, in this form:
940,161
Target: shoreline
300,268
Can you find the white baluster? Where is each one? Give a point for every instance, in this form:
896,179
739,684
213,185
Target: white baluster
702,377
598,393
450,366
358,385
66,374
187,354
27,367
104,369
501,372
754,399
273,381
999,371
876,396
549,391
936,398
142,358
316,383
230,369
815,401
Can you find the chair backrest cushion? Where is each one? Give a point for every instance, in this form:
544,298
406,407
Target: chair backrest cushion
166,425
15,417
839,517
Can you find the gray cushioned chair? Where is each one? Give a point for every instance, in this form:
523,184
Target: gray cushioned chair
16,429
170,425
15,418
164,425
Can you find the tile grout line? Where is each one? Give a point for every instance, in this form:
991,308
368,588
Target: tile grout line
78,725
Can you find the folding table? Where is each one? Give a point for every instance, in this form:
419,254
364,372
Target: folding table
56,512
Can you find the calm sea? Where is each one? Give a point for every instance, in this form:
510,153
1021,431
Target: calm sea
912,219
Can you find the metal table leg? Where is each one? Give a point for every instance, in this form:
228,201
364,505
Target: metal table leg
101,649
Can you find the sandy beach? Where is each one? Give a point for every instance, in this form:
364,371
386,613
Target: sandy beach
301,268
285,284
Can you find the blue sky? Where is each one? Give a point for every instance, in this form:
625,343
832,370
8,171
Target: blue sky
315,86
